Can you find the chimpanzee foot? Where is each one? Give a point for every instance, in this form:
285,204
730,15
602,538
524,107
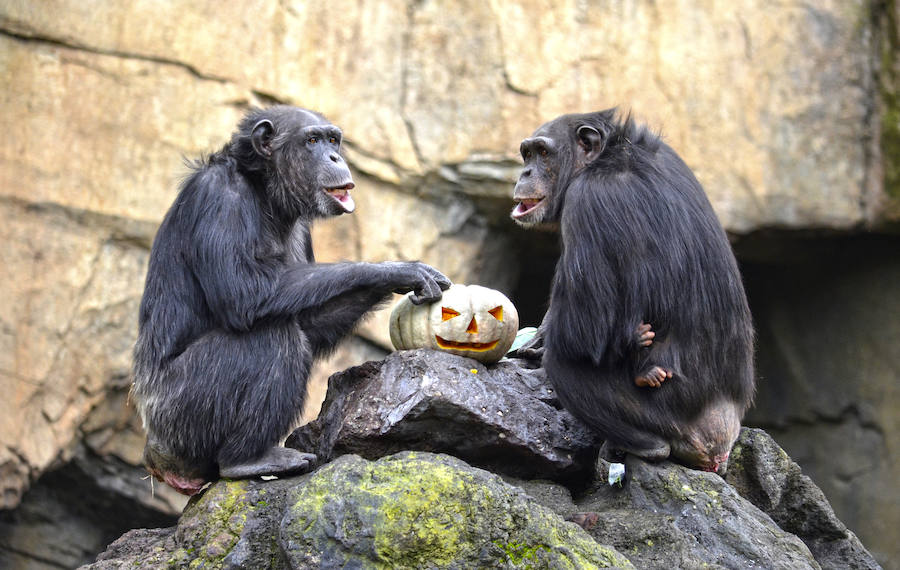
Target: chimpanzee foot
611,453
645,335
657,449
277,461
653,377
653,454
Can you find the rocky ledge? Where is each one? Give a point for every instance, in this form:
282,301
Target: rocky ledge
435,461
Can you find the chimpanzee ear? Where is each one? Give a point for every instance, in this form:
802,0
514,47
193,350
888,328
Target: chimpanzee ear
590,140
261,137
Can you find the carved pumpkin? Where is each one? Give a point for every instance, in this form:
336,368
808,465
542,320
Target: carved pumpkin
469,320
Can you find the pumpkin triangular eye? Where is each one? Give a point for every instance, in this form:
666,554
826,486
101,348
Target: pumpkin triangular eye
497,313
447,314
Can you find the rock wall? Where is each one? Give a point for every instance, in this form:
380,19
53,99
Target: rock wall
827,338
788,114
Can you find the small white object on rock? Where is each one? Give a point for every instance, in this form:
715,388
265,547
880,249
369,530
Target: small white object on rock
616,473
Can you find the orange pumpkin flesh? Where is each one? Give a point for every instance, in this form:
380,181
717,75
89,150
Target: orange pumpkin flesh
475,346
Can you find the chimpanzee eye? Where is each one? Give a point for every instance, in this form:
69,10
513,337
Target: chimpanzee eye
332,140
312,140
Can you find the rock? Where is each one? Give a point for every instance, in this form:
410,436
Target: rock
230,525
668,516
764,474
888,22
143,547
416,510
423,510
410,510
781,158
66,332
126,163
501,417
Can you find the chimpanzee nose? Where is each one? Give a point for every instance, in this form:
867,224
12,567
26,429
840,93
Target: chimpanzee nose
526,173
334,157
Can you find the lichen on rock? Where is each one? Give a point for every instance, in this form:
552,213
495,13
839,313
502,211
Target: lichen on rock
416,510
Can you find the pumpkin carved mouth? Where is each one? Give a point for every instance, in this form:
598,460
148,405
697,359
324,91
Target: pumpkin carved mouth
475,346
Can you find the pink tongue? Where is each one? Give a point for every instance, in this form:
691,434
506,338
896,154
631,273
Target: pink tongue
347,202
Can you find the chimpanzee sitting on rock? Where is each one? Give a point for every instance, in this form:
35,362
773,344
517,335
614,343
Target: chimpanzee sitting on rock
648,338
235,309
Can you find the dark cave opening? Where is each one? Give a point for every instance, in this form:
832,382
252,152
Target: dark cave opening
67,517
537,253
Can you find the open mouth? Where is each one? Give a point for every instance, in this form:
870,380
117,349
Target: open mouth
526,206
342,195
474,346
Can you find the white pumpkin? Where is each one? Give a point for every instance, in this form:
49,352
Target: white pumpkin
468,320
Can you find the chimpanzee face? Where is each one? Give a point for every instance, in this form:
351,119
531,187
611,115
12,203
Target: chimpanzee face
319,147
552,155
307,167
537,181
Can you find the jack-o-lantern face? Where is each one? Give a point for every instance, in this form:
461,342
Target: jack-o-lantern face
468,320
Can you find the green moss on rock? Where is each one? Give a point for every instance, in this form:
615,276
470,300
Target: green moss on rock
417,510
212,524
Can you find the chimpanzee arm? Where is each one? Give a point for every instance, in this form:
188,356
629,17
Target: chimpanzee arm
243,282
326,325
304,287
586,308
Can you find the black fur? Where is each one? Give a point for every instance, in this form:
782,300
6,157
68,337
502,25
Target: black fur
640,244
235,309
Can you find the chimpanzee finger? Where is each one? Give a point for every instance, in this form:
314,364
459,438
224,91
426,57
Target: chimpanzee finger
442,280
645,335
529,353
425,295
427,292
646,339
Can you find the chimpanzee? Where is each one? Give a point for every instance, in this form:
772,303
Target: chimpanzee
235,309
648,337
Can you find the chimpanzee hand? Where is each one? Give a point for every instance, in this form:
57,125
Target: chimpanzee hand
426,282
